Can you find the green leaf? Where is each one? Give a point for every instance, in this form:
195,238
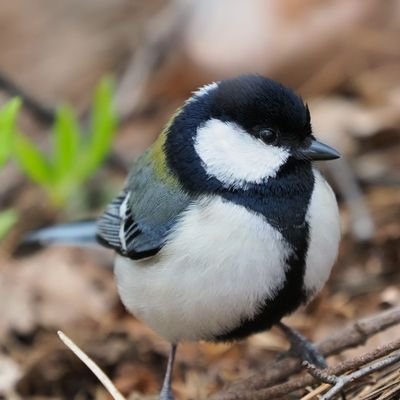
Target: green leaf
75,156
32,161
8,118
8,218
103,127
66,142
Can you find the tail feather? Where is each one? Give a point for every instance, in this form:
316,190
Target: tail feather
80,233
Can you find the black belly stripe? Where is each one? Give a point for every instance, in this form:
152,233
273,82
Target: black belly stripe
286,213
287,300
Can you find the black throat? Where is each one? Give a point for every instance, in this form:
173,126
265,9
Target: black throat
283,201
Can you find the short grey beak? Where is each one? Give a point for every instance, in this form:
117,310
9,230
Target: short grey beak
317,151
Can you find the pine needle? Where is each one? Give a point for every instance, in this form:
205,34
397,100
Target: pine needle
100,375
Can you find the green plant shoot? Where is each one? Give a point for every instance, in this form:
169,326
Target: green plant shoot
8,219
75,154
8,118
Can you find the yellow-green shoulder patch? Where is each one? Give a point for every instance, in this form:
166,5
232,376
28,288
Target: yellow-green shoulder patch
157,155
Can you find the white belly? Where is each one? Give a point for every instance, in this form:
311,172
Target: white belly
324,235
220,262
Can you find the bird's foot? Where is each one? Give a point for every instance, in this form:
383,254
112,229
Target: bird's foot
302,348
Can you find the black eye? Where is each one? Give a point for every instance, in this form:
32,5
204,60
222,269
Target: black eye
268,136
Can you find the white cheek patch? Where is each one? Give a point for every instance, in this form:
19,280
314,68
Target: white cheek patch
234,157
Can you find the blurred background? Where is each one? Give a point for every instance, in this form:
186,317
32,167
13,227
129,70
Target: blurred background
70,159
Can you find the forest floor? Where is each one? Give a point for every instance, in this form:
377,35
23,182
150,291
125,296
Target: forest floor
57,51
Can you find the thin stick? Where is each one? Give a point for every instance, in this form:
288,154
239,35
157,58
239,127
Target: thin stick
41,112
353,335
100,375
283,389
312,395
345,380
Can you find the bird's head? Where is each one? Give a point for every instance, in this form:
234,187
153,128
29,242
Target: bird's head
241,131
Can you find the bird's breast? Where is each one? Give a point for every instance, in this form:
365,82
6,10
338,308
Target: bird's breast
217,267
324,235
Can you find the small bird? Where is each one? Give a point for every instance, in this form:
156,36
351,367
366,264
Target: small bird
224,226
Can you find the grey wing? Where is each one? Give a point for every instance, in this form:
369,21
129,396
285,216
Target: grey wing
137,222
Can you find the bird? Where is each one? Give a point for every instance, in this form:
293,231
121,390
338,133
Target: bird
224,225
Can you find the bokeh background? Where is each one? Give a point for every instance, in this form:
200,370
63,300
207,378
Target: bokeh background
342,56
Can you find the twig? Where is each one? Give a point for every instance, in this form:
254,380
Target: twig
284,389
340,382
359,332
354,335
100,375
320,374
386,384
317,391
41,112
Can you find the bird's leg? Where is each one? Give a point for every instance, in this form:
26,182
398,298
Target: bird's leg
166,393
301,347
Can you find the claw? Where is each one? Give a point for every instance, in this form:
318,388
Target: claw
302,348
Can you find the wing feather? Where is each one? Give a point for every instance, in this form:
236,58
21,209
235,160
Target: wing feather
136,222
